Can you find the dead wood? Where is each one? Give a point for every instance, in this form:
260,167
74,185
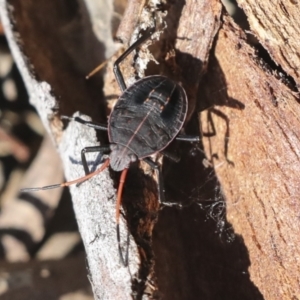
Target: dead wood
233,232
256,118
276,25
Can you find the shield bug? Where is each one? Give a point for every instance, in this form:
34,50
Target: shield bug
147,117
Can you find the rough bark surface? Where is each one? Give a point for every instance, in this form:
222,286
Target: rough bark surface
201,247
277,27
54,47
256,118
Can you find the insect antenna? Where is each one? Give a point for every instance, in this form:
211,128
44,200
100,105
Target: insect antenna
97,69
118,205
68,183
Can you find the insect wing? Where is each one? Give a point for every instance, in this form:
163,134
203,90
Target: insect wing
149,115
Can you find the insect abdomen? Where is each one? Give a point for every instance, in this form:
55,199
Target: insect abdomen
148,115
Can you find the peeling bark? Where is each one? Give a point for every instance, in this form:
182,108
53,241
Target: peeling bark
202,247
276,25
256,117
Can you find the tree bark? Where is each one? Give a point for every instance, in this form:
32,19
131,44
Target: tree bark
261,139
233,228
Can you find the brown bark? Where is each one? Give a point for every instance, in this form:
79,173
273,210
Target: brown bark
233,230
261,139
276,25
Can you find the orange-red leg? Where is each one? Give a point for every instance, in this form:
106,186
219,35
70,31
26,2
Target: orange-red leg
118,207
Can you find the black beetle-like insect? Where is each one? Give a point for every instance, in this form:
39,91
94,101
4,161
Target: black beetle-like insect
147,117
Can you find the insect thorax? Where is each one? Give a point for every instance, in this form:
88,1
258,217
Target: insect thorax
121,157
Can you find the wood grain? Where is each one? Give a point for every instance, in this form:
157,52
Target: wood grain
256,117
277,27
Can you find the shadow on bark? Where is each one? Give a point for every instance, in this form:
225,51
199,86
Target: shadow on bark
197,253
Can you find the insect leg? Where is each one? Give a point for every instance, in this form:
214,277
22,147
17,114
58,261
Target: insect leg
118,206
118,74
160,183
94,125
101,149
188,138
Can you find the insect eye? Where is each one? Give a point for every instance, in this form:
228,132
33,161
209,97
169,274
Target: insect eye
132,157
